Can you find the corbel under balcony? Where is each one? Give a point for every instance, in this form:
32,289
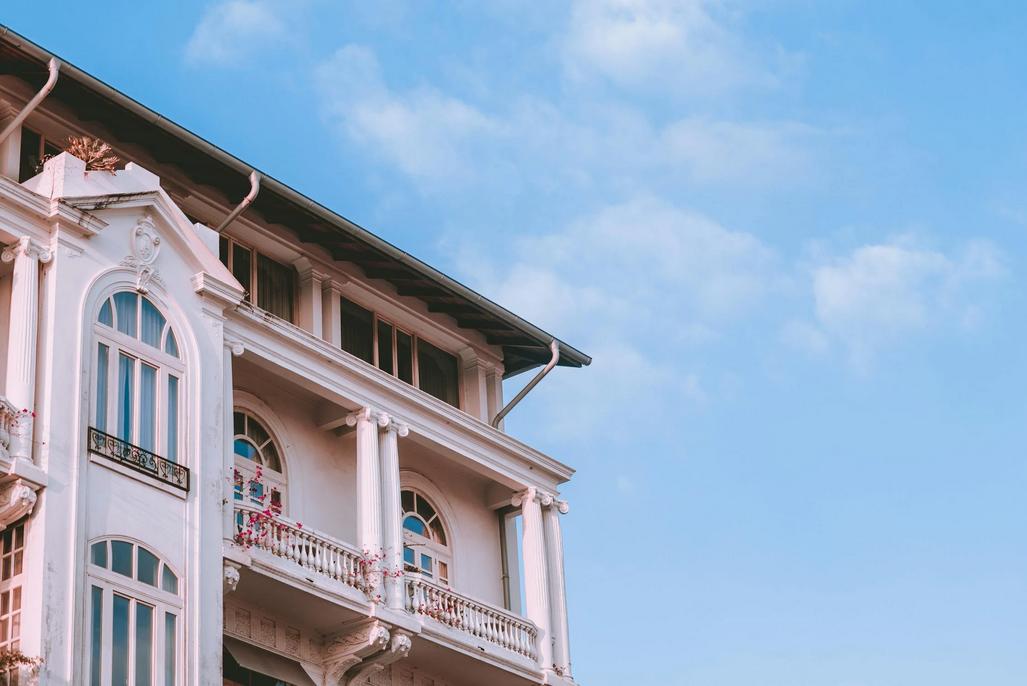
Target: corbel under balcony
20,479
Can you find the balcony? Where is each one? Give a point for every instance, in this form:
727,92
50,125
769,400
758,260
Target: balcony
138,459
314,561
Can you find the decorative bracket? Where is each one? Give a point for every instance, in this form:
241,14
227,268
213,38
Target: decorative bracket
352,645
17,498
231,577
399,647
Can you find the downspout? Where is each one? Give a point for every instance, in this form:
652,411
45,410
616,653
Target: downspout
55,68
255,177
555,347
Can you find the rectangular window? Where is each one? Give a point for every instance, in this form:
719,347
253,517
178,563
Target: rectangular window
119,642
276,286
147,407
102,370
172,419
357,330
170,648
437,373
96,638
144,645
405,357
385,347
31,155
126,394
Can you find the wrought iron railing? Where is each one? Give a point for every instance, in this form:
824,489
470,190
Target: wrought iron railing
136,458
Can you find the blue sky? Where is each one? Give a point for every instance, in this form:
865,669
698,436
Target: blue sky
792,234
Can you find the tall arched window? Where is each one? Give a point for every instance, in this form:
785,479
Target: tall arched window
425,543
139,374
135,617
255,448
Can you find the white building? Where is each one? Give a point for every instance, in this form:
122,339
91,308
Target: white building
262,455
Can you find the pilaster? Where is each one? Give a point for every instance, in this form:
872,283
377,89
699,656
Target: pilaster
536,575
26,255
310,313
232,348
331,312
392,531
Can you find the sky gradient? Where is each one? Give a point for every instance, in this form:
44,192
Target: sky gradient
791,234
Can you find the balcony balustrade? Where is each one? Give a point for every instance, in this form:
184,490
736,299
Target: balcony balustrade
138,459
289,541
8,415
481,620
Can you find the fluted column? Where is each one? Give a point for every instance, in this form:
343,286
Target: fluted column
231,349
536,575
557,585
392,526
369,497
27,255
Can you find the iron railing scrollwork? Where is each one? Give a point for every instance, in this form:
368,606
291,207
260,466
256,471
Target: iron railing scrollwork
136,458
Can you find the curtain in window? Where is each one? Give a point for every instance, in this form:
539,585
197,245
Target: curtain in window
126,387
357,330
148,408
152,324
172,419
275,287
126,305
437,373
102,362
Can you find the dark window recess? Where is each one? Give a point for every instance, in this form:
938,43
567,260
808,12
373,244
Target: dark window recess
276,287
357,330
437,373
236,674
405,357
223,247
31,146
385,347
241,265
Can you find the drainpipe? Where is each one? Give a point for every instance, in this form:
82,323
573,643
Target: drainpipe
555,347
255,177
55,67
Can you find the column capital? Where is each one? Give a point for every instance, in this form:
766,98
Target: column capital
369,414
28,247
235,345
560,506
392,424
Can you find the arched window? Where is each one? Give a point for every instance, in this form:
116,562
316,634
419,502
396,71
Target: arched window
256,449
425,543
139,375
135,617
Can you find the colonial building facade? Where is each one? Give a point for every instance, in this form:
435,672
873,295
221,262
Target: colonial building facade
243,440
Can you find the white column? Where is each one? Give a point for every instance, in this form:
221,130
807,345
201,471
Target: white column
536,576
369,497
557,585
392,526
231,349
27,255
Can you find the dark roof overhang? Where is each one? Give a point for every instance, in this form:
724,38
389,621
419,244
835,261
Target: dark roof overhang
524,345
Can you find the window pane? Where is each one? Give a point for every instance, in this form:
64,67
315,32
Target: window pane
385,347
119,638
30,164
102,371
96,637
99,554
424,509
357,330
437,532
404,357
237,485
171,345
416,525
152,324
121,558
144,645
170,641
147,408
425,564
223,250
106,315
437,373
169,582
443,573
126,305
172,453
240,423
407,500
126,388
146,567
408,555
256,432
275,287
245,450
241,266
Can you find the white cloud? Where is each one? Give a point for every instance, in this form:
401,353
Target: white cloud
683,47
230,31
881,293
425,133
